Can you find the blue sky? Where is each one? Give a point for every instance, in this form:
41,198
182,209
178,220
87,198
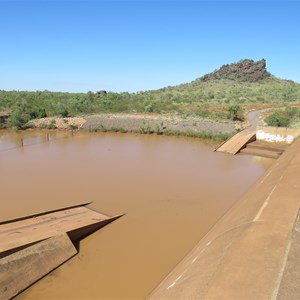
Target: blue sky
80,46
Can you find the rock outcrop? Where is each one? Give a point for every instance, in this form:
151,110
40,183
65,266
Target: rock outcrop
245,70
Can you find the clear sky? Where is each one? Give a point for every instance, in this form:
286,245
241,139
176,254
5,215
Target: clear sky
80,46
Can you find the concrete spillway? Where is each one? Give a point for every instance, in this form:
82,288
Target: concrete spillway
251,253
33,246
238,141
77,221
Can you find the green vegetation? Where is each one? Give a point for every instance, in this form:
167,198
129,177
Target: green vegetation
18,119
119,129
284,118
146,128
73,127
235,112
51,125
202,135
220,96
195,98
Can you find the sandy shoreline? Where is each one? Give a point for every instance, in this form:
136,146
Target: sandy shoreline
58,123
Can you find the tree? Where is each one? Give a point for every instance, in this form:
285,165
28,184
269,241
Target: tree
235,112
18,119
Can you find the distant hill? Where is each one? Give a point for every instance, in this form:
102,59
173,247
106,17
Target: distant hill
245,82
246,70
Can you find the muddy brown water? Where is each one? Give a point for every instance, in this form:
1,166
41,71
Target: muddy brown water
173,190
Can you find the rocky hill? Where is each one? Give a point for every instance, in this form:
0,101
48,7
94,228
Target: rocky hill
245,70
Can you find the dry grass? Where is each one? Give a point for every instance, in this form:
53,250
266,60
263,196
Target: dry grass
58,123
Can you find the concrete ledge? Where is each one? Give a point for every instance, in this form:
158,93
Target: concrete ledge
244,256
20,270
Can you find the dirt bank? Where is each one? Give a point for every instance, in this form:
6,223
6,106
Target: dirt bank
151,123
156,123
58,123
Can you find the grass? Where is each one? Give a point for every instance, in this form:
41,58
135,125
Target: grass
202,134
119,129
73,127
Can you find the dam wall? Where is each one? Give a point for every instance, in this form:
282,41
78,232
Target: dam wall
251,252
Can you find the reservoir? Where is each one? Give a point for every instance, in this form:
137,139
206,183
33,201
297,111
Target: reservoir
173,190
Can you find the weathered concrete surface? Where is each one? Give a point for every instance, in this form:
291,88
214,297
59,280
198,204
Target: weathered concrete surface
241,139
237,142
290,283
23,268
245,255
265,149
76,221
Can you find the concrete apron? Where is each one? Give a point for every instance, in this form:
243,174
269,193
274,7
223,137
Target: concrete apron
246,254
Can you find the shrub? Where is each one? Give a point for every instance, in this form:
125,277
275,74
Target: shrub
73,126
159,129
146,128
119,129
235,112
18,119
38,113
65,113
149,108
278,119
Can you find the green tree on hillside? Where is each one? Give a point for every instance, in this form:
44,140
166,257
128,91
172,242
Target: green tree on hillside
235,112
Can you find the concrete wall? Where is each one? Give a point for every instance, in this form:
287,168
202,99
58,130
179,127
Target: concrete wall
276,134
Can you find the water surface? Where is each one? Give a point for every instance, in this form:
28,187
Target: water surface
172,190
